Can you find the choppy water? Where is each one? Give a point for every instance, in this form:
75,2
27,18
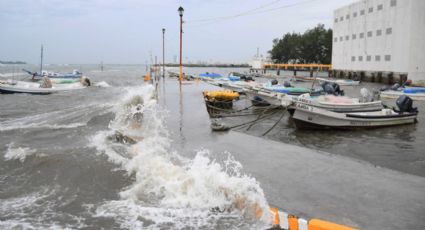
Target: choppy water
60,166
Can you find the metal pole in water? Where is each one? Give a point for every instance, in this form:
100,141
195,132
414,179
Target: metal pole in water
163,52
181,10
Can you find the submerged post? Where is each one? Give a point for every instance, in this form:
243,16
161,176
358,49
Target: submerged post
41,61
181,10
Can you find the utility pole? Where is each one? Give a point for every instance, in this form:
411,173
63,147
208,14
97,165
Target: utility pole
181,10
163,52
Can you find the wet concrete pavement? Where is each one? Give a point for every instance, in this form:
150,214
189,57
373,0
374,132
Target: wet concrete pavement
298,180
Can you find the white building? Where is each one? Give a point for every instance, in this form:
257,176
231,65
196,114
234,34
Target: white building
381,36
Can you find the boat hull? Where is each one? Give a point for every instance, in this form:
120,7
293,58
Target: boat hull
34,88
311,117
396,94
340,107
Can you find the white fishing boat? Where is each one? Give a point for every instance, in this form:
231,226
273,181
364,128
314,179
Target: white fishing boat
45,87
341,82
269,97
393,94
306,116
340,104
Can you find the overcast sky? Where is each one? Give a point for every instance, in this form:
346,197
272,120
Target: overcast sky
126,31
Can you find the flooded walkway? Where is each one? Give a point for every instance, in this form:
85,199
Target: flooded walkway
301,181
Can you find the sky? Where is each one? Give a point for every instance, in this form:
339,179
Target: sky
130,31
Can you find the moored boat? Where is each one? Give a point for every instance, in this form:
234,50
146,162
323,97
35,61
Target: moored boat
341,82
339,104
306,116
45,87
416,93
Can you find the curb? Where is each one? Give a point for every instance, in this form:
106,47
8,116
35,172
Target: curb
282,220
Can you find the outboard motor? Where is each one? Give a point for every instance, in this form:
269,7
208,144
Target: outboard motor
332,88
395,86
366,96
274,82
404,104
328,88
249,79
384,88
287,84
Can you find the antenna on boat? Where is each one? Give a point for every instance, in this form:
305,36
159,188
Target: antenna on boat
41,60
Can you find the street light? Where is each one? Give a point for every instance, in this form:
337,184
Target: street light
181,10
163,53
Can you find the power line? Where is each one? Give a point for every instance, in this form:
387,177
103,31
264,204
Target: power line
237,15
248,13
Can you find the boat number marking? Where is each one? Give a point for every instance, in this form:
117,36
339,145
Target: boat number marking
303,106
360,123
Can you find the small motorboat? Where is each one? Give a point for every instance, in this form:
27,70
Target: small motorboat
306,116
269,97
303,78
341,82
340,104
209,75
44,87
74,75
288,89
416,93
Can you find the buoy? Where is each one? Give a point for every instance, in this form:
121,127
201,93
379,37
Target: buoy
147,77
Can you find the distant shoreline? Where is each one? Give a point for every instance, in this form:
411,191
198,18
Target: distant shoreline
209,65
12,62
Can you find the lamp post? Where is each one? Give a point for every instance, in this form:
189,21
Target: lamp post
181,10
163,53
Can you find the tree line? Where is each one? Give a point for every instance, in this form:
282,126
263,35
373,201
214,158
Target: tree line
313,46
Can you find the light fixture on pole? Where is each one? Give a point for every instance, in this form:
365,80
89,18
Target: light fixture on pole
163,53
181,10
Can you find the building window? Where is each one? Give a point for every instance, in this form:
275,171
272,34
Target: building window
335,39
369,34
361,12
340,39
336,20
361,35
387,57
393,3
360,58
370,9
378,32
380,7
353,37
341,19
353,58
354,14
368,58
389,30
347,17
347,38
377,58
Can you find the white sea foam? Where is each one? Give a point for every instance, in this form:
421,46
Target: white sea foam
102,84
19,153
170,189
58,119
35,210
